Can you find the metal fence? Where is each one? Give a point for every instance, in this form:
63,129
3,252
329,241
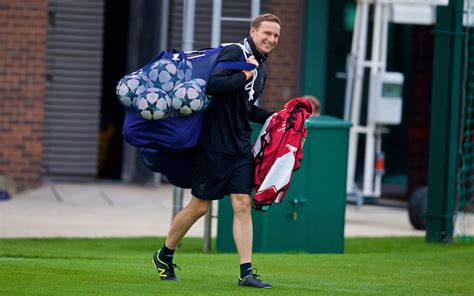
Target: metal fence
466,149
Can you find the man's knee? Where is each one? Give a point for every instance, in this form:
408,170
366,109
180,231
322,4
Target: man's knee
241,203
200,206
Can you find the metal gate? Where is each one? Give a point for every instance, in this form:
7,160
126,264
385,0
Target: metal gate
73,89
466,155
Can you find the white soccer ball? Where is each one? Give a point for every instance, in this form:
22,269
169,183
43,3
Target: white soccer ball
207,102
164,75
129,88
185,71
153,104
201,83
188,98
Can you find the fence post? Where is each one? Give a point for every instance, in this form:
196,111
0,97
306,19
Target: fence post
446,94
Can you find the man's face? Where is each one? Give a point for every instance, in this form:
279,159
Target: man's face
265,36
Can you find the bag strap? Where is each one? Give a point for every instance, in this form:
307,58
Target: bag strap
240,65
243,47
235,65
246,51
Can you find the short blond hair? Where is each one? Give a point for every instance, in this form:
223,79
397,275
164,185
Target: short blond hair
266,17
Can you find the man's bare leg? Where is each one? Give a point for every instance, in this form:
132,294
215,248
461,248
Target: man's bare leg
163,258
242,226
243,237
184,219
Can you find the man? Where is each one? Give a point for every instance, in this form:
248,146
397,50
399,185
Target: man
225,161
316,105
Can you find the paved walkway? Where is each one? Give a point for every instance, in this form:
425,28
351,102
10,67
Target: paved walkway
114,210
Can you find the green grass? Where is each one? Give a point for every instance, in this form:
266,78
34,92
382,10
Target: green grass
122,266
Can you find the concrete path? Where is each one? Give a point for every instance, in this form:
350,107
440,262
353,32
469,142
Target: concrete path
115,210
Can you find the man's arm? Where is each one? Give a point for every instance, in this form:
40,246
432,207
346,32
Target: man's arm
259,115
224,81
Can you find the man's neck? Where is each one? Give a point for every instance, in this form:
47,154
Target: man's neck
258,55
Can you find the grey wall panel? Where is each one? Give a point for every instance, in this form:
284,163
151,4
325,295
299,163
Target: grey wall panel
73,89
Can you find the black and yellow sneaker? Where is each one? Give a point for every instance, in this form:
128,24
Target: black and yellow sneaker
252,280
165,270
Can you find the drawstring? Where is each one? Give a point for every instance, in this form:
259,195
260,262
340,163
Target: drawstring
249,86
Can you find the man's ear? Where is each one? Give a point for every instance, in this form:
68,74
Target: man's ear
252,31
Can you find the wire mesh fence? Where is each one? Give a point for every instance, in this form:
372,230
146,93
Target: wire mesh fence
465,190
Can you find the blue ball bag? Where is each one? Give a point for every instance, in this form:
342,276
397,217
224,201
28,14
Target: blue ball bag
169,144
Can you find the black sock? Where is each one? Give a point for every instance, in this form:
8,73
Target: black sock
245,269
166,255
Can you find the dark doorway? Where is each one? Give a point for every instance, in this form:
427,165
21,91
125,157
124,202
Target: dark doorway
114,67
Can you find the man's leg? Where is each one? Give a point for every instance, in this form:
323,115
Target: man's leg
184,219
242,226
243,237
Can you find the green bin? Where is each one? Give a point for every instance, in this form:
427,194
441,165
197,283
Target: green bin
311,216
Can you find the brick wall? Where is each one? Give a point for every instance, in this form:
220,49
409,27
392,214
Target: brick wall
23,31
283,66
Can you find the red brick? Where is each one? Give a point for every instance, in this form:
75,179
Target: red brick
23,31
283,68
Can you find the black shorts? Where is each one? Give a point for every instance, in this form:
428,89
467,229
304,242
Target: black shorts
218,174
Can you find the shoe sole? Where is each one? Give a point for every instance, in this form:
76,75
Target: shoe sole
255,287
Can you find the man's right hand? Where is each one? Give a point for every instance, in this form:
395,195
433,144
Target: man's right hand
252,60
250,73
